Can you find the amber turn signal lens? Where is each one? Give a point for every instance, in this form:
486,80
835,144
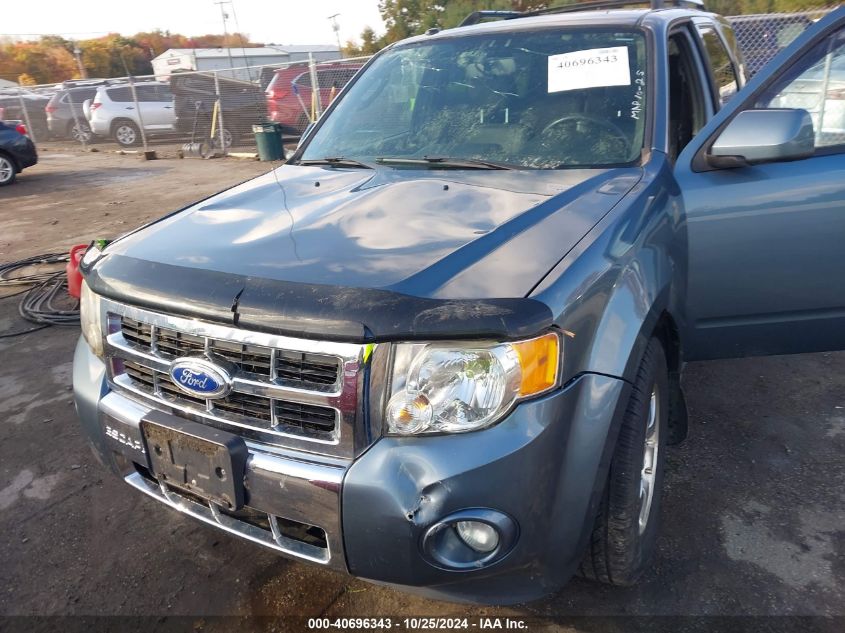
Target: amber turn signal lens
539,359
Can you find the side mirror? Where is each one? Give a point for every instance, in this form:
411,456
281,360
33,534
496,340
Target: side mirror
762,136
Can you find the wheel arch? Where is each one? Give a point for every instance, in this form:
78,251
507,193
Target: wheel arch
12,158
118,120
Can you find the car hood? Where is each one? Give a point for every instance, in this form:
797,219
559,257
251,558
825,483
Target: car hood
425,233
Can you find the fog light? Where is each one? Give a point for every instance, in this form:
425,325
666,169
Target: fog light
479,536
470,539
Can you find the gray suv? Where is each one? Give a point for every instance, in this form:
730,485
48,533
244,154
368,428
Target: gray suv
441,347
65,115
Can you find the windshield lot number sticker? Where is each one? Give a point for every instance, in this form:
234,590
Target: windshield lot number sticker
594,68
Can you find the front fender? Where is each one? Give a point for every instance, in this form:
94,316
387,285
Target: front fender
609,293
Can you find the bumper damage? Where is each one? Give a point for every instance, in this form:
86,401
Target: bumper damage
543,466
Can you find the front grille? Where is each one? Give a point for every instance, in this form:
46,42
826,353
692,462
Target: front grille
285,392
277,415
297,369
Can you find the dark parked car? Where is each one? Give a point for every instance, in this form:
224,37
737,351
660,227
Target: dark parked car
441,347
13,105
65,115
241,106
17,153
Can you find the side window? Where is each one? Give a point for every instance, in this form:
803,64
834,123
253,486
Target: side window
78,97
163,93
733,45
302,81
724,73
816,83
146,94
121,95
687,109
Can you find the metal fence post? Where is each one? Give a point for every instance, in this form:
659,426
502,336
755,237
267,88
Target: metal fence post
25,113
138,110
315,88
76,119
219,110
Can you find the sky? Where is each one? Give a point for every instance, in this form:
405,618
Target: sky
267,21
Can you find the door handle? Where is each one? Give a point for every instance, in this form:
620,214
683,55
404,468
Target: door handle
168,107
130,107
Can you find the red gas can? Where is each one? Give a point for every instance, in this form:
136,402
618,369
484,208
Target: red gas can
74,277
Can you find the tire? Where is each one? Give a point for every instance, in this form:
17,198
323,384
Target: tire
126,133
228,138
8,170
625,531
80,132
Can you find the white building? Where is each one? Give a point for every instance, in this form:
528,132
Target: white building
226,59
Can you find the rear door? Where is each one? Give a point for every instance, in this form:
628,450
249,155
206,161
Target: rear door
766,243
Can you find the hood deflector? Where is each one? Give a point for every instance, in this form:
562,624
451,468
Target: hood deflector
312,311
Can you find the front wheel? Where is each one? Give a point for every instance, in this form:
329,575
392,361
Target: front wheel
7,171
126,134
625,530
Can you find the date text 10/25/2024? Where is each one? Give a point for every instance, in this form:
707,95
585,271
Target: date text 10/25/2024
418,623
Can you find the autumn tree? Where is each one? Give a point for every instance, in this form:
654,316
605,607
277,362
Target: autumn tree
51,59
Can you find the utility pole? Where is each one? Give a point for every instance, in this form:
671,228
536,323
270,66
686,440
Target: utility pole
336,29
225,16
77,53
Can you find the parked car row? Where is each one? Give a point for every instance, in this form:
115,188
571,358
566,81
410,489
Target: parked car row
187,104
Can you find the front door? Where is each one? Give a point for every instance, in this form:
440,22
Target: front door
766,267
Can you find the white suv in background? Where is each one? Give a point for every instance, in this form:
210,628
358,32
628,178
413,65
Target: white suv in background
113,111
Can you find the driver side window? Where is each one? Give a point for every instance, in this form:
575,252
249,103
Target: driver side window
816,83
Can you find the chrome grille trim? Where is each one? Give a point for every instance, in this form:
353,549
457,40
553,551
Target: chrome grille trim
342,398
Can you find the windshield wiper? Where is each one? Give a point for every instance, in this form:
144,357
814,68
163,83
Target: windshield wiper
334,161
440,161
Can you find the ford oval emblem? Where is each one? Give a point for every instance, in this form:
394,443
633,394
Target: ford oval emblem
200,377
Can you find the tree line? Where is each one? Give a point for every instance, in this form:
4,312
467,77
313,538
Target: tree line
51,58
404,18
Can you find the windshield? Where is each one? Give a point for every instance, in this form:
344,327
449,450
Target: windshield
535,99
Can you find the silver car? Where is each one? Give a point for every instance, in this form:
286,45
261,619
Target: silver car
114,112
821,91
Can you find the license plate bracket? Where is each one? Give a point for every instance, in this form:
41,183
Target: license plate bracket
196,458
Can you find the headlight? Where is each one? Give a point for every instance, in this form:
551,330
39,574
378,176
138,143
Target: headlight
89,317
451,388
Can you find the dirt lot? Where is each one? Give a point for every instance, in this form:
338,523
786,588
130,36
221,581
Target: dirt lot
753,518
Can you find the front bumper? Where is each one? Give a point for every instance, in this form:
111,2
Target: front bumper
287,486
544,466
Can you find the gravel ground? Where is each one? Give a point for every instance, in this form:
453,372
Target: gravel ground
753,517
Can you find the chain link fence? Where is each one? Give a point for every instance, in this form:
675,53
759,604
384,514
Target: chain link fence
214,111
202,110
762,36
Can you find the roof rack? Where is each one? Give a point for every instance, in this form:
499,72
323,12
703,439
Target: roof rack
477,16
597,5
